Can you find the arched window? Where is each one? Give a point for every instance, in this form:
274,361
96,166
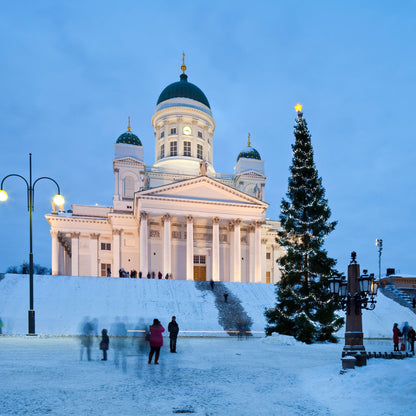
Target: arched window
129,187
187,148
199,154
174,148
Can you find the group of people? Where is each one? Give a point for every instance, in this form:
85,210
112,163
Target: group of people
154,336
133,274
406,335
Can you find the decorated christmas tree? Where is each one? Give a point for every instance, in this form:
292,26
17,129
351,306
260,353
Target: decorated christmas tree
304,308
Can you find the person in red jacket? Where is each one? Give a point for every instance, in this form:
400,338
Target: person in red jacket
156,340
396,335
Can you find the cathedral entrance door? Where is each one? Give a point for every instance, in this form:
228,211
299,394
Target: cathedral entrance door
200,268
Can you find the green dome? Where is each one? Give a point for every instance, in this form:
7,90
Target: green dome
183,89
249,153
129,138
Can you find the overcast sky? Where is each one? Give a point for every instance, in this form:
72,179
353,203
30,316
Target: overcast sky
72,72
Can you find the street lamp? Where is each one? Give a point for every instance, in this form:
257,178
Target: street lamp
58,201
354,295
379,244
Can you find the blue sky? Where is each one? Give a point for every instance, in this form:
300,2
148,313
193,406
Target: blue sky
72,72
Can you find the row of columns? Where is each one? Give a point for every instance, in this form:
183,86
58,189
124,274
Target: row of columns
234,260
65,263
235,247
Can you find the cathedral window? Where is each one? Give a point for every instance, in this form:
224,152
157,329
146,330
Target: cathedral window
105,270
162,151
174,148
173,130
105,246
200,134
162,134
187,148
199,154
129,186
268,256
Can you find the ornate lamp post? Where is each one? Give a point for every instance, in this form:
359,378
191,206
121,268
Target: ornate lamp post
379,244
58,200
354,295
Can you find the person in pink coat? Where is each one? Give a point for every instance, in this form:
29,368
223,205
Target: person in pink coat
396,335
156,340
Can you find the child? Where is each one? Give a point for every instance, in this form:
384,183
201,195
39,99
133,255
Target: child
104,344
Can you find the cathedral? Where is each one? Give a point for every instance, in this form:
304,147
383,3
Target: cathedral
177,219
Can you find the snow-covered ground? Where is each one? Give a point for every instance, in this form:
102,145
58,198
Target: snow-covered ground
63,302
208,376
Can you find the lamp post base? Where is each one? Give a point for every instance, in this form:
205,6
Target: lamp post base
31,320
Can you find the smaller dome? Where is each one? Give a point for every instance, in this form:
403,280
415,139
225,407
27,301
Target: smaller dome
249,153
129,138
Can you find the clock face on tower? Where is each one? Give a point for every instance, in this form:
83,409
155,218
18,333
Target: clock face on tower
187,130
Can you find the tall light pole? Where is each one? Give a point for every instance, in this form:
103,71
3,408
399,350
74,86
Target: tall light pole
354,295
59,201
379,244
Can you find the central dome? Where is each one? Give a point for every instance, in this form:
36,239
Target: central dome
183,89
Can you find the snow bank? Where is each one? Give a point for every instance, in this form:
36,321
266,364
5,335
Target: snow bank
63,302
280,339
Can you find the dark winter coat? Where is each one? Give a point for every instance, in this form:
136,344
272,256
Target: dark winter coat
156,337
105,341
396,335
411,335
173,329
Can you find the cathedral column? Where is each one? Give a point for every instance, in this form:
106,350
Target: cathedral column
61,257
94,238
231,262
251,253
75,254
116,253
237,250
55,252
144,263
215,248
257,252
117,183
189,247
166,245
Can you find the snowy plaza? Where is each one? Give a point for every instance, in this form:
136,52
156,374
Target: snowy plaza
208,376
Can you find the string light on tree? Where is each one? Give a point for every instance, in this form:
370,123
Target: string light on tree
304,307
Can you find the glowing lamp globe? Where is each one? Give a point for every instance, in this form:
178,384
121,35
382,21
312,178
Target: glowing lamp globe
59,200
3,195
298,107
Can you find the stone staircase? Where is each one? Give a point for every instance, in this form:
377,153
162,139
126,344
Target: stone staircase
231,314
403,297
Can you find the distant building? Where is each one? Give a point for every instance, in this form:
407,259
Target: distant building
400,281
178,217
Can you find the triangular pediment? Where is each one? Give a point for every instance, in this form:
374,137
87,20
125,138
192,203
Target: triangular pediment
202,189
252,174
128,159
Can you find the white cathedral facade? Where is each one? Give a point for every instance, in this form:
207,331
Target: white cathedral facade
178,218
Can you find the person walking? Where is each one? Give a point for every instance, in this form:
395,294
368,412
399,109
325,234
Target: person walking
156,340
226,297
405,332
411,338
173,329
105,342
396,335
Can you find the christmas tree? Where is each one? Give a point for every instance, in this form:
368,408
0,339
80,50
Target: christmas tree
304,308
